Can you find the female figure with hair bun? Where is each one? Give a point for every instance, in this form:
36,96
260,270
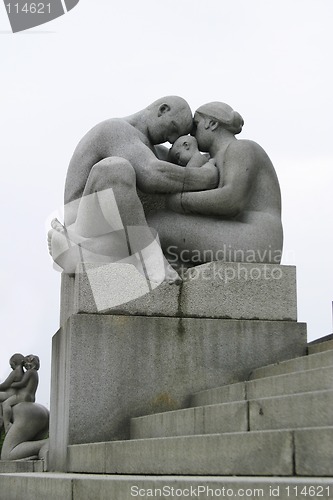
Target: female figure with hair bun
25,389
240,220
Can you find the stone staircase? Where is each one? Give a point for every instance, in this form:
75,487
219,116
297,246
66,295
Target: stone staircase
278,423
273,431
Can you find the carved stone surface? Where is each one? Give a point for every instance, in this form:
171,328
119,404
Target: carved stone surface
26,437
25,422
214,290
144,365
224,205
8,394
136,215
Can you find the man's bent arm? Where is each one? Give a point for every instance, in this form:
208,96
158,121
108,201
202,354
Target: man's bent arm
158,176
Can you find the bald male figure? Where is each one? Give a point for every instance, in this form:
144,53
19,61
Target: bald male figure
104,218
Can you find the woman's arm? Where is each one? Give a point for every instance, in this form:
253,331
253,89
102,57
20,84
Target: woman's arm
228,200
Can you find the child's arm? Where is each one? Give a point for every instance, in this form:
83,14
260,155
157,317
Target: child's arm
197,160
8,382
24,382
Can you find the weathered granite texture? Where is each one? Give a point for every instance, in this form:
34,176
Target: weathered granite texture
26,437
214,290
19,466
225,205
8,393
24,421
141,365
129,214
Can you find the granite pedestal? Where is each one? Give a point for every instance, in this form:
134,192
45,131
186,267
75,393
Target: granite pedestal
111,365
215,290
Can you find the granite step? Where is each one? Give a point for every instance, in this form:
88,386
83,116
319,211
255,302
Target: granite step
13,466
316,379
302,381
52,486
257,453
309,409
309,362
320,347
212,419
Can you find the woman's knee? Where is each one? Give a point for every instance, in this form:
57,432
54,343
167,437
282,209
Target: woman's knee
112,172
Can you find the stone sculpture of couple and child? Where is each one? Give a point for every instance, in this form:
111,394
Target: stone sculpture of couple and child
219,193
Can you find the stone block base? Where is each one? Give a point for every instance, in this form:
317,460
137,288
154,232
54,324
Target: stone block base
215,290
107,369
19,466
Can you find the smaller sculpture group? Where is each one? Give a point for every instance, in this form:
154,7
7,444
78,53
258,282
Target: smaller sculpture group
24,420
20,386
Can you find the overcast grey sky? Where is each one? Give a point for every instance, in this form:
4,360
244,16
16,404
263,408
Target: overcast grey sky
270,60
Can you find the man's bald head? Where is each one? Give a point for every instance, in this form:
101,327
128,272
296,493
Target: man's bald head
169,118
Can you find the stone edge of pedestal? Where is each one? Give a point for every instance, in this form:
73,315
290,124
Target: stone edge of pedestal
19,466
216,290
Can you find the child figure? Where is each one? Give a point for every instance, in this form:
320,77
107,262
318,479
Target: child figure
6,391
24,390
185,152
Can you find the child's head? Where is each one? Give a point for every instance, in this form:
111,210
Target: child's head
31,362
16,360
183,149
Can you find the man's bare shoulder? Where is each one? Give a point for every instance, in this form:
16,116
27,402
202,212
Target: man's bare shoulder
118,126
105,138
110,128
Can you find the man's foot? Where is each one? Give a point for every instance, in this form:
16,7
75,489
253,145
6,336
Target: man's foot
65,251
57,240
62,250
156,268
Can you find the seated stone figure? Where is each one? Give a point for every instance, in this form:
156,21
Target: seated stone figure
6,390
237,221
24,389
25,438
104,218
229,209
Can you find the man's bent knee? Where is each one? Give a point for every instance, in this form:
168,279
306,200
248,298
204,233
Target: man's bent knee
111,172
